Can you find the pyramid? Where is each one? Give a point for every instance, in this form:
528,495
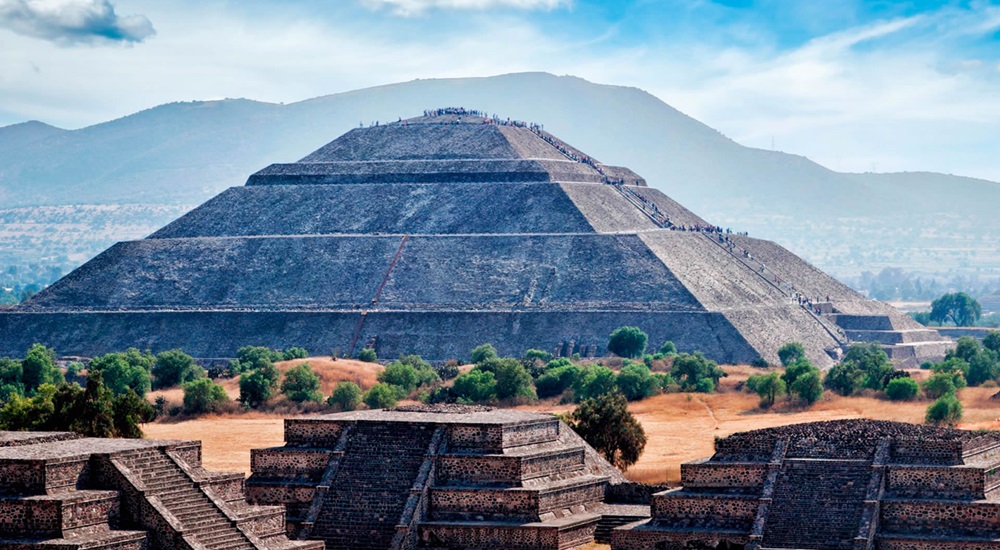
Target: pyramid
438,233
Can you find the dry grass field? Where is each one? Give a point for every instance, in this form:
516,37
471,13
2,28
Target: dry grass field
679,427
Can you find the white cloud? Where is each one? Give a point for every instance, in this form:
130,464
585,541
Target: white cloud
415,7
73,21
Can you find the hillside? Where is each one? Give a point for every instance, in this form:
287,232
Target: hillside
184,153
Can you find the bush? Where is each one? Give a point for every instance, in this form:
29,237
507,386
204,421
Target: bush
203,396
483,352
250,358
368,355
594,381
556,381
39,367
808,387
475,386
873,362
512,379
538,355
255,388
606,424
902,389
760,363
768,386
790,353
627,342
173,368
346,396
947,410
845,379
690,369
125,371
668,348
398,374
939,385
635,382
294,353
448,370
381,396
301,384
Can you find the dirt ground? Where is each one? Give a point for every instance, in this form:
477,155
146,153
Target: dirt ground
679,427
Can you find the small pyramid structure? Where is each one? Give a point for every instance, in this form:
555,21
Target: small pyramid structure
435,234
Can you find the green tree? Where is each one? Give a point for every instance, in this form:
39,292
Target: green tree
125,371
939,385
346,396
690,369
790,353
947,410
399,375
250,358
668,349
845,378
39,367
636,382
128,412
594,381
173,368
959,308
808,387
202,396
483,352
475,386
902,389
873,363
381,396
11,375
256,388
97,413
367,355
768,386
538,355
992,341
294,353
556,381
627,342
606,424
513,380
301,384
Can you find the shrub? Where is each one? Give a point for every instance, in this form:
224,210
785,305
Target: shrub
538,355
204,396
873,362
250,358
556,381
606,424
398,374
294,353
902,389
635,382
791,353
512,379
39,367
845,379
255,388
125,371
939,385
475,386
381,396
368,355
627,342
448,370
690,369
301,384
768,386
483,352
594,381
346,396
760,363
174,367
808,387
947,410
793,371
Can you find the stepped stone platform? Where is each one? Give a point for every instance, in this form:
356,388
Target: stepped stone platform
438,233
837,485
446,476
61,491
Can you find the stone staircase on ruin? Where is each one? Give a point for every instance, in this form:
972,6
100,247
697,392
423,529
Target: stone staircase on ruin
372,484
795,521
200,519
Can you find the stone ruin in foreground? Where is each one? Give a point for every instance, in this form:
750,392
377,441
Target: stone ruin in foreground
838,485
474,478
439,233
59,491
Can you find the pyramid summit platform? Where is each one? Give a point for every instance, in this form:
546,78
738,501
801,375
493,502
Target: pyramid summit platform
435,234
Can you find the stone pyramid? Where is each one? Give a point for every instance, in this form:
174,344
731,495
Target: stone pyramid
435,234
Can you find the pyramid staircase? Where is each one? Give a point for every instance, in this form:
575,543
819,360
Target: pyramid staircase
85,493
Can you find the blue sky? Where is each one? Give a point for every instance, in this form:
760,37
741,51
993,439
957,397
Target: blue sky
883,86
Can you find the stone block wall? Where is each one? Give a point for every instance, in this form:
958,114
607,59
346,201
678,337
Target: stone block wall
715,475
704,511
936,482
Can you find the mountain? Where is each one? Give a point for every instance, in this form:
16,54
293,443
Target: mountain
184,153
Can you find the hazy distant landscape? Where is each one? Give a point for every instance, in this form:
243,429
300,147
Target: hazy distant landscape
125,178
